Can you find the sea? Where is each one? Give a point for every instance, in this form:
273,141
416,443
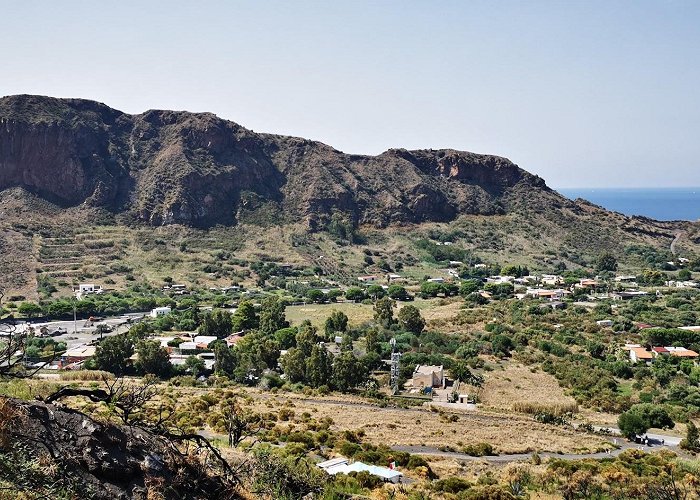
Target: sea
657,203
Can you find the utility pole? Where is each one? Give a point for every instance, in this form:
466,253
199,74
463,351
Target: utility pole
75,317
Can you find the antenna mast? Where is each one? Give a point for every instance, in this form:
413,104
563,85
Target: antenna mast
395,360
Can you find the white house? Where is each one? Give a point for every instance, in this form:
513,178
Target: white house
627,295
552,279
87,289
342,465
543,293
160,311
604,323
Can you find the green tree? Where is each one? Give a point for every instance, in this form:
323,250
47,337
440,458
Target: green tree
354,294
216,324
194,365
153,359
397,292
384,312
372,340
450,289
469,286
225,358
499,290
638,419
410,319
606,262
294,365
319,367
341,226
476,298
375,291
336,322
316,296
245,317
501,345
652,277
692,438
510,270
286,337
113,353
348,371
632,424
272,316
29,309
460,371
306,338
430,289
346,344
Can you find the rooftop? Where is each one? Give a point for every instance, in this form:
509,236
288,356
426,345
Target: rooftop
427,369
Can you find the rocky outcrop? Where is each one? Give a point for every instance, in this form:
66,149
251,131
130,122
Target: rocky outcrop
85,458
168,167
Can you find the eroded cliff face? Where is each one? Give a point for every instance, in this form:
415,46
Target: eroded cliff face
167,167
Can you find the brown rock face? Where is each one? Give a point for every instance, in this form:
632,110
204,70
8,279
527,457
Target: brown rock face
168,167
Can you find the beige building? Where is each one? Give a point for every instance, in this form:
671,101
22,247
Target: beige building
428,376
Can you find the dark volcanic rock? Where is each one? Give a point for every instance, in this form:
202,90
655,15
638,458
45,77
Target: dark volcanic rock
98,460
169,167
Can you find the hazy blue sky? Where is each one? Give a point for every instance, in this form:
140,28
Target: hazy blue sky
583,93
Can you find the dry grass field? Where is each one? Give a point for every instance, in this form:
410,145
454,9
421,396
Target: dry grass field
517,384
317,313
422,427
437,312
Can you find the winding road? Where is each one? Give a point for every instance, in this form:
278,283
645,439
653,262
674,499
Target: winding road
675,240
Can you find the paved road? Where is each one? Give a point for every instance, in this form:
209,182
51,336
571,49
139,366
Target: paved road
654,438
517,457
675,240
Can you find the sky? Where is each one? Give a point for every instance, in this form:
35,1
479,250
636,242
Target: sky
582,93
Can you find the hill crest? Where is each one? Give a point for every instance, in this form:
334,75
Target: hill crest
176,167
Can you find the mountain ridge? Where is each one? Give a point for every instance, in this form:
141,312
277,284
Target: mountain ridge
197,169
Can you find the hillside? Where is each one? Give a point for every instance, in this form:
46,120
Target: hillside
87,191
165,167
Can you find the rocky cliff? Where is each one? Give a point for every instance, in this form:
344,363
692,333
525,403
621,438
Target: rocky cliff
166,167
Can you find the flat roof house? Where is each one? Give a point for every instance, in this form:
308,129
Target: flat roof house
428,376
160,311
627,295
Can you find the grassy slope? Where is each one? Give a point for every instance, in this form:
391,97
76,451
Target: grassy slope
67,246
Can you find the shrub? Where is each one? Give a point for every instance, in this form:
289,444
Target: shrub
451,485
479,449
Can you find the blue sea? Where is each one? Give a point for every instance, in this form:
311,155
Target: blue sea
659,204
